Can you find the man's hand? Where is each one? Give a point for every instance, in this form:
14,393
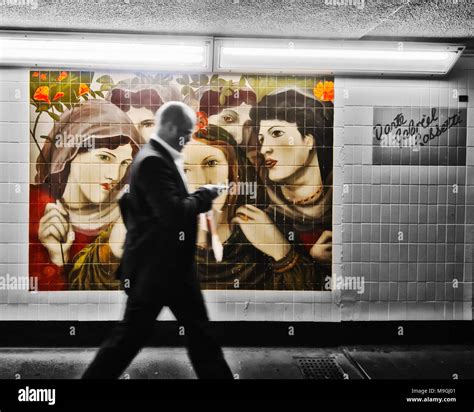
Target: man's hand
215,190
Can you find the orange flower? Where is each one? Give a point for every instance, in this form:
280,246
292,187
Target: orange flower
62,76
83,89
43,77
42,94
58,95
202,120
324,91
35,74
201,133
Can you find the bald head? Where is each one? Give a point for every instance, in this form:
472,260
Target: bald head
175,123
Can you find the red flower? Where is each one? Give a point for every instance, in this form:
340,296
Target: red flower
42,94
202,120
35,74
324,91
201,133
83,89
43,77
58,95
62,76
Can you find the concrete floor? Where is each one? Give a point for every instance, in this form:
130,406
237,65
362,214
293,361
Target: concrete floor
358,362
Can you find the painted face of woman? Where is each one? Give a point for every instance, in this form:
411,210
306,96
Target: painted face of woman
143,119
205,164
96,172
284,149
234,120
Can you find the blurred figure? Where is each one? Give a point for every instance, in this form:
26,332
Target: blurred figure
158,267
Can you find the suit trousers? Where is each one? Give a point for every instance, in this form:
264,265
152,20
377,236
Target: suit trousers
136,327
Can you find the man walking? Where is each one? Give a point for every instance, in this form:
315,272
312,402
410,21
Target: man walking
158,267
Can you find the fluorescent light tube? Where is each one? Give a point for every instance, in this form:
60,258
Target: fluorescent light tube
194,54
106,51
333,57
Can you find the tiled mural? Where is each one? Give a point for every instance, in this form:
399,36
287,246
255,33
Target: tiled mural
402,221
269,138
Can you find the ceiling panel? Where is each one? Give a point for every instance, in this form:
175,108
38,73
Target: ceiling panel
441,20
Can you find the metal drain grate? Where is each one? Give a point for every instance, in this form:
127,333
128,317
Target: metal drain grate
321,367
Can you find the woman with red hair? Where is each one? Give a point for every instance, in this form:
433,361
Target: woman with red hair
253,257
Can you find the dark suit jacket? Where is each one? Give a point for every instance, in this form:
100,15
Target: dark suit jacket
161,220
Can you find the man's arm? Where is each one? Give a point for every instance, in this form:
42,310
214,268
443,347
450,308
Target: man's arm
162,192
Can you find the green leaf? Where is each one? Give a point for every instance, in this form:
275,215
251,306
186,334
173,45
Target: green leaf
92,93
66,89
105,79
311,82
58,107
253,81
33,87
42,107
222,99
184,79
53,116
86,77
186,90
99,93
203,79
214,80
53,75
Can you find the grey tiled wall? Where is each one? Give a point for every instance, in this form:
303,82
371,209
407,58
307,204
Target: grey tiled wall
407,279
427,273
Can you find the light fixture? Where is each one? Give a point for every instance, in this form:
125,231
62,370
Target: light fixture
106,51
228,55
333,57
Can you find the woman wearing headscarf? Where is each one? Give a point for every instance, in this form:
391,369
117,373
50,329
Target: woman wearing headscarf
231,114
140,98
76,231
